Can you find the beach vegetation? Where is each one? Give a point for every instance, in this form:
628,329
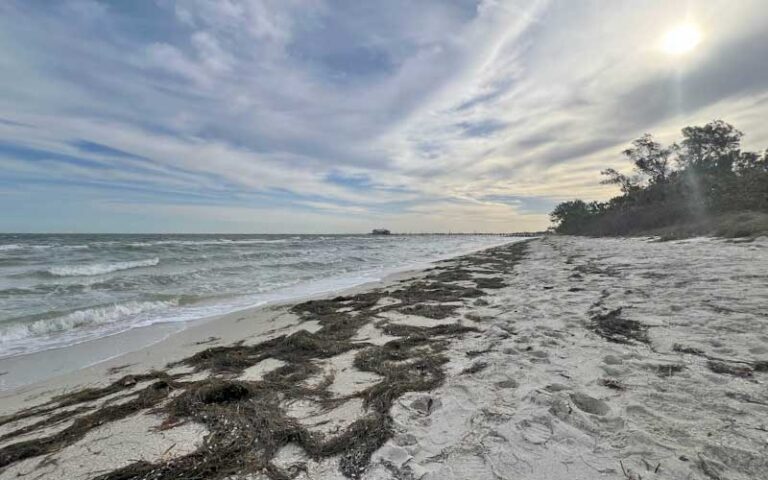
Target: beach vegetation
703,184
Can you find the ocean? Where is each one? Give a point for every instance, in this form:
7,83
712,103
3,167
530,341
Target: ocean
59,290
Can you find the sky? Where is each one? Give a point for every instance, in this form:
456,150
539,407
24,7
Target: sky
323,116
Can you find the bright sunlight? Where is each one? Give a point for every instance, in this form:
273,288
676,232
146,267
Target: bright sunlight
681,39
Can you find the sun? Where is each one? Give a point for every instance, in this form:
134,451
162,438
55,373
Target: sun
681,39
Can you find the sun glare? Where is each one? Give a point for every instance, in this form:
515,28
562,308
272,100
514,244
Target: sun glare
681,39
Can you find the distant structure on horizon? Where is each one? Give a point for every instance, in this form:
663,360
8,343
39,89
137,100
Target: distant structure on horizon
384,231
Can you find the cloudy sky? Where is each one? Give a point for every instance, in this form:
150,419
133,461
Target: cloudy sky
344,115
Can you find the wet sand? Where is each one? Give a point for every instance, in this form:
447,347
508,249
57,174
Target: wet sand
566,358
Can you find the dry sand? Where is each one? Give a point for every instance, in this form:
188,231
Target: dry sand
589,358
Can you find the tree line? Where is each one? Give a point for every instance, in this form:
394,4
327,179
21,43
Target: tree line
705,175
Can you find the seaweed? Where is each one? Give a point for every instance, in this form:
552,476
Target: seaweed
53,419
451,275
490,282
689,350
436,311
612,327
477,353
475,368
668,370
502,259
612,383
246,420
724,365
119,368
83,396
147,398
421,291
728,369
593,269
401,330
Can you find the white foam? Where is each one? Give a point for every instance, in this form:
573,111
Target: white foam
100,268
223,241
9,247
89,317
227,291
74,247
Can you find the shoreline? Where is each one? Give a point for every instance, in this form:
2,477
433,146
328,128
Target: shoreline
96,352
279,348
556,358
93,352
179,335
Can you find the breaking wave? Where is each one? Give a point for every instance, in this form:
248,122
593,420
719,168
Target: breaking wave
198,243
100,268
9,247
58,290
89,317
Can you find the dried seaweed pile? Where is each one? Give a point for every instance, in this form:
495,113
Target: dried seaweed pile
246,420
614,328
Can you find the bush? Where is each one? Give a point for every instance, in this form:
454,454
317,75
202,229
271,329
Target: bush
713,180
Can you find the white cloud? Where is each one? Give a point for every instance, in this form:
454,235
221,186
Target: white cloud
438,104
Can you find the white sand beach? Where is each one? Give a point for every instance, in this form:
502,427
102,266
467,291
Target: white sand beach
563,358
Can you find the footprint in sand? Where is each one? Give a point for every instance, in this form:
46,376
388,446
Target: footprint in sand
509,383
536,431
425,405
588,404
612,360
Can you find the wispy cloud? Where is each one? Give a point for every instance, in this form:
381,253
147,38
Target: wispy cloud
466,115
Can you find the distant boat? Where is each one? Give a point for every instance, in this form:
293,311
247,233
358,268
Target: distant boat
380,231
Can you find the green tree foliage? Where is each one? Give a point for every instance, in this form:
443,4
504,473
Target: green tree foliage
651,159
570,215
705,174
711,148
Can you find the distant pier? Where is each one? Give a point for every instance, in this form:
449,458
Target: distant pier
496,234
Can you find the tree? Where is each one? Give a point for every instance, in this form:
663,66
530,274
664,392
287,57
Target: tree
750,188
651,159
572,216
714,176
713,147
751,162
625,183
651,162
